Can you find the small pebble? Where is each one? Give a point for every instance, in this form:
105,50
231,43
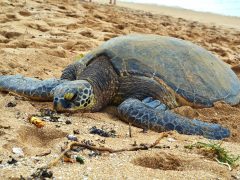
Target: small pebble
12,161
101,132
171,139
94,154
46,174
18,151
47,112
68,122
76,131
72,137
77,148
11,104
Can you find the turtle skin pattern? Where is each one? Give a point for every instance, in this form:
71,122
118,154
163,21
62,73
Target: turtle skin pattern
153,115
32,88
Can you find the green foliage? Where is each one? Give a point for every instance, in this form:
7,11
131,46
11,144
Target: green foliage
218,152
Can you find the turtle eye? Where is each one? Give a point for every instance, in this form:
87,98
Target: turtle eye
70,96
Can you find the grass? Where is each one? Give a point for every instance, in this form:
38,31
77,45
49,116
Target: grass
217,152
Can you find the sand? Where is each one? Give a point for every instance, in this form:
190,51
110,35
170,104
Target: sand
208,18
39,38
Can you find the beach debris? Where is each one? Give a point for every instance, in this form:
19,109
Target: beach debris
88,142
94,154
216,152
47,174
77,148
68,121
47,112
18,151
73,159
42,173
72,137
68,159
49,115
171,139
102,141
80,159
101,132
36,121
12,161
45,115
11,104
100,149
44,153
76,131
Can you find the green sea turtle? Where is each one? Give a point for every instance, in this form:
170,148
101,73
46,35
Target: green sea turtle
146,75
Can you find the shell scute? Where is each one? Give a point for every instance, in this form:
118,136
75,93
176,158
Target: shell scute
190,70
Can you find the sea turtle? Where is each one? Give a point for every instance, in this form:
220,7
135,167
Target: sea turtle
146,75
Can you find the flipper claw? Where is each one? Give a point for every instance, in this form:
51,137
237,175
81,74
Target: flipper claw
156,104
147,100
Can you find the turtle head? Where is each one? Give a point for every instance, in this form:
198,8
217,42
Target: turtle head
73,96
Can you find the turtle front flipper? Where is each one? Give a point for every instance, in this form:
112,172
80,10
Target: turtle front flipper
29,87
152,114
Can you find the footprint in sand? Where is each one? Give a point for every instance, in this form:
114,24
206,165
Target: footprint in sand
168,161
33,140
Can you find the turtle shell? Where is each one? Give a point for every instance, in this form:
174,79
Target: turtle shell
190,70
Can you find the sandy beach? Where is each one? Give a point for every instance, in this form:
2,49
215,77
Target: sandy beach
38,38
208,18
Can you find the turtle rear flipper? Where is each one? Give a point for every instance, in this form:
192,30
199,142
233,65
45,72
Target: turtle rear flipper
29,87
146,114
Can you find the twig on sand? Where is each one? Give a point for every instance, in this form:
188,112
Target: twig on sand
226,164
130,130
103,149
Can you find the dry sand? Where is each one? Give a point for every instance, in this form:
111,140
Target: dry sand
38,38
209,18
